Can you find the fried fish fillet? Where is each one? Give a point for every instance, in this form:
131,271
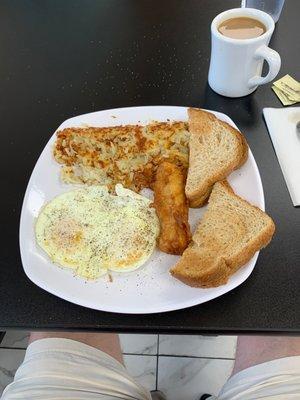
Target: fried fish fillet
172,208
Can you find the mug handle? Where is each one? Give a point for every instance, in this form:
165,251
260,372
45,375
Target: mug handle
274,61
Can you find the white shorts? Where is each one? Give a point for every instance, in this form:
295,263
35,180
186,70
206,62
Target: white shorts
59,369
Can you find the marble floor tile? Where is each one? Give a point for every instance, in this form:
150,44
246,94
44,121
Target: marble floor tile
10,359
143,369
198,346
15,339
188,378
139,344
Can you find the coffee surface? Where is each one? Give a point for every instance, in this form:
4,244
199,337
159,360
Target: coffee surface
242,28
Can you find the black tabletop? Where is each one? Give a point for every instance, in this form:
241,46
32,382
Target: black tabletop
59,59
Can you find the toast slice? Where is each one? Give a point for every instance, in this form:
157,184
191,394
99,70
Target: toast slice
229,234
216,149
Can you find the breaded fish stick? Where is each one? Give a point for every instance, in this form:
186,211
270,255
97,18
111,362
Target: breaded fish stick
172,208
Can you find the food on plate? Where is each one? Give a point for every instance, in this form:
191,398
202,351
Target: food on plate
216,149
172,208
93,231
229,234
128,154
105,227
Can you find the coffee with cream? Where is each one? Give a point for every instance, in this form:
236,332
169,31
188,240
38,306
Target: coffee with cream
242,28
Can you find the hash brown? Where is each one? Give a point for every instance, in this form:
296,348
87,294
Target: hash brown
128,154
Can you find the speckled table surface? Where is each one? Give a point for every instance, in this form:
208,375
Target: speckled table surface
60,59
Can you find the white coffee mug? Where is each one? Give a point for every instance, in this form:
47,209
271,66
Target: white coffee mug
236,64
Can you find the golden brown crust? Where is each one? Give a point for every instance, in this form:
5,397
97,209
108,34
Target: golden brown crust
244,157
212,277
257,243
172,209
201,283
215,270
201,123
128,154
196,200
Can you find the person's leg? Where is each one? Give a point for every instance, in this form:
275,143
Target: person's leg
109,343
265,367
253,350
66,365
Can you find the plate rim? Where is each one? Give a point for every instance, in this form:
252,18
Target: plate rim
165,308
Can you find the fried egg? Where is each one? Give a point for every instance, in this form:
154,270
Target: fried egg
93,231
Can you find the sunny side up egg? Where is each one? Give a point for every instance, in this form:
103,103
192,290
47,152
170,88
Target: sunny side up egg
93,231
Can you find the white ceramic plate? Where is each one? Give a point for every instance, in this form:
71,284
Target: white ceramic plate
150,289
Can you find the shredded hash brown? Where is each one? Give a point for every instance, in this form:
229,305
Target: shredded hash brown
128,154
